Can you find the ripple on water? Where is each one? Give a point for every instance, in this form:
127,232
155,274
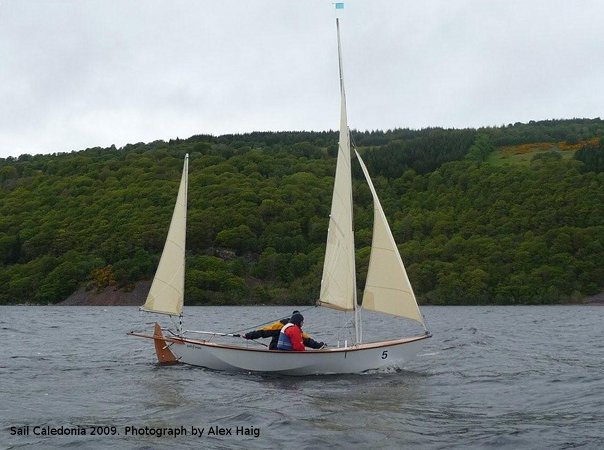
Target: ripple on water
507,377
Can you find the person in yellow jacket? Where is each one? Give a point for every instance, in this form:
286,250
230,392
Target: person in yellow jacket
272,330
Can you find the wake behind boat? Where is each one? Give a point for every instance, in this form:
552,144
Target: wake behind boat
387,289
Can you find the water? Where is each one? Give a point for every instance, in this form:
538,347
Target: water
491,377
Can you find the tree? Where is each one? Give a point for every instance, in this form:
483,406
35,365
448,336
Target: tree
481,149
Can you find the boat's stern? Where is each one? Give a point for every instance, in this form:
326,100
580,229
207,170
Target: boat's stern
162,349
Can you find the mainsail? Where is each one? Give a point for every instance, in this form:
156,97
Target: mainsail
338,284
166,295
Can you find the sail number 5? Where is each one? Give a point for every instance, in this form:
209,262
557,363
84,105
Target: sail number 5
385,354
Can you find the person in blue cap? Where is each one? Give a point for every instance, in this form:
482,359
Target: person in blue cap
272,330
290,336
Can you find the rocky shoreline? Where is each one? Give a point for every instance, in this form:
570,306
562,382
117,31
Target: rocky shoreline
597,299
109,296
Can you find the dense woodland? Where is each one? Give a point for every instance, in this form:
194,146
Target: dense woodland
506,215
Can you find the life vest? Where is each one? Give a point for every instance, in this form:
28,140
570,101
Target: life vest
284,342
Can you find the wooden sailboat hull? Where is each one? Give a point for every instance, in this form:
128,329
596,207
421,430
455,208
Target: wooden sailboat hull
355,359
387,288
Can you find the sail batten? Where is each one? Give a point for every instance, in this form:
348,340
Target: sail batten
166,295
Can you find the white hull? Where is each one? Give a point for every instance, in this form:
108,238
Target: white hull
354,359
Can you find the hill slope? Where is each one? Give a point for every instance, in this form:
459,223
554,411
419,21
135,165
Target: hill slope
470,230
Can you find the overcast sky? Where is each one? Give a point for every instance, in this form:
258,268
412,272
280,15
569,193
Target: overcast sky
84,73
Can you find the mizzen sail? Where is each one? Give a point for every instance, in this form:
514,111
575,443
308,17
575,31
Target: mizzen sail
166,295
387,288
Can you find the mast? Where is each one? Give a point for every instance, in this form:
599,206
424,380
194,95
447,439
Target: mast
345,140
338,282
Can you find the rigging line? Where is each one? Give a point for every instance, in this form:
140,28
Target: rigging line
256,327
354,147
351,138
213,334
426,328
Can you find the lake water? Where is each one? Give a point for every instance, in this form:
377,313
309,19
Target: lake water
490,377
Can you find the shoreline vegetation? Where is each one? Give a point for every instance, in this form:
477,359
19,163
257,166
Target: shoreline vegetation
499,215
136,297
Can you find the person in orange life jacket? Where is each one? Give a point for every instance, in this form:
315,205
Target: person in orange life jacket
274,329
290,337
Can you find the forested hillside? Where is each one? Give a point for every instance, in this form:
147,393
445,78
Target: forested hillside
513,214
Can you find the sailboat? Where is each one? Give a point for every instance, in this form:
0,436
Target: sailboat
387,289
